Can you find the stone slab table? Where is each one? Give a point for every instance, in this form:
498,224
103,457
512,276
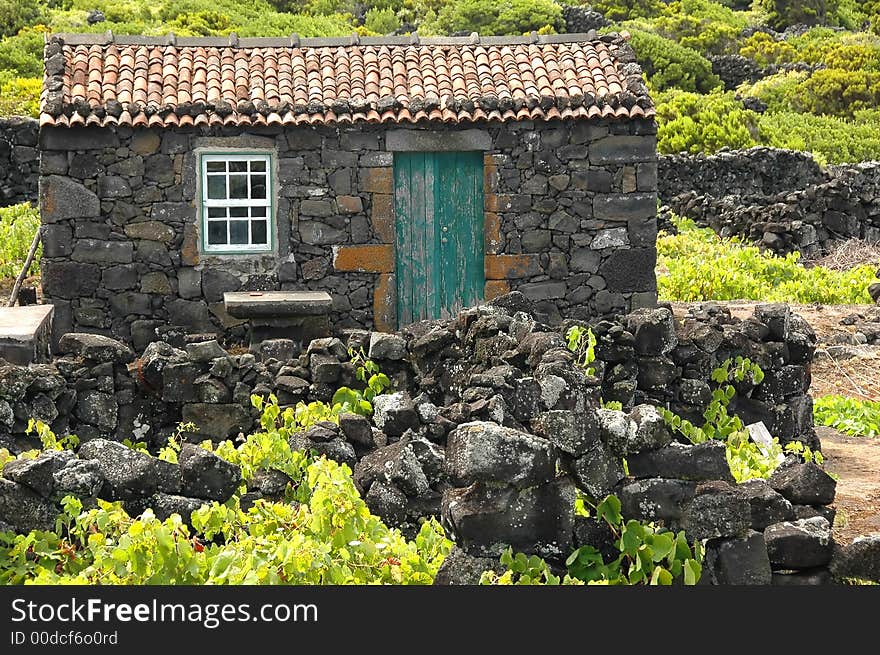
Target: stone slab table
297,315
26,334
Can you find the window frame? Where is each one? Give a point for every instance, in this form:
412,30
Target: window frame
225,155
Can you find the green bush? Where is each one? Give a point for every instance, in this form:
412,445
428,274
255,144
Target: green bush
16,14
689,122
499,17
20,96
830,139
782,13
18,225
852,416
668,64
381,21
22,55
698,265
618,10
705,26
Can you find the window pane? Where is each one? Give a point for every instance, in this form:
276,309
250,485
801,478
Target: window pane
216,187
216,166
238,212
216,212
238,187
258,232
258,166
258,186
238,232
258,211
238,166
216,233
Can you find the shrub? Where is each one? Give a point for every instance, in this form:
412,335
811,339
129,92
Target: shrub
689,122
20,96
201,23
782,13
702,25
698,265
18,225
22,54
839,92
617,10
668,64
16,14
766,50
381,21
494,17
830,139
852,416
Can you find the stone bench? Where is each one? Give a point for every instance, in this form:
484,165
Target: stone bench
297,315
26,334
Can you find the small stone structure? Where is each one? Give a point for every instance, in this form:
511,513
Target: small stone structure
297,315
25,334
564,187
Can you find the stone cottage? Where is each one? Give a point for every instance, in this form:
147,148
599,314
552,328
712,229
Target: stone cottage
406,177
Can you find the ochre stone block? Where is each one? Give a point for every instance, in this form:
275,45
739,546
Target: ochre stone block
385,303
377,180
364,259
490,174
382,217
492,232
495,288
493,202
506,267
189,250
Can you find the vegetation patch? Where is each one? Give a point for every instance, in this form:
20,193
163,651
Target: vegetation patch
697,265
852,416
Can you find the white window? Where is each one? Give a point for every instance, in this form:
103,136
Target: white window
236,203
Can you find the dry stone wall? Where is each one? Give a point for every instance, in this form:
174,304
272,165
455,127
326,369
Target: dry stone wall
19,160
491,426
780,199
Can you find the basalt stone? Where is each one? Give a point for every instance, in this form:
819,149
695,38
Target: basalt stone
325,368
767,506
459,568
573,432
270,482
718,510
801,544
598,470
356,429
810,578
37,473
777,317
68,279
700,462
217,422
178,380
82,478
394,413
642,429
165,505
487,520
215,282
23,509
485,452
322,431
98,409
205,475
281,349
656,499
387,502
654,331
738,561
387,346
860,559
804,484
129,473
96,348
396,464
205,351
62,198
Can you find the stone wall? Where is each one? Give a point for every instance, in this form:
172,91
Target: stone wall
19,160
570,220
779,198
491,426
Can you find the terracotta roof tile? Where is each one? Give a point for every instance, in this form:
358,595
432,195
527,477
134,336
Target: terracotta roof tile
170,81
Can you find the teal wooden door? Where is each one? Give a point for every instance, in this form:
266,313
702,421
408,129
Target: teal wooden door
438,209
